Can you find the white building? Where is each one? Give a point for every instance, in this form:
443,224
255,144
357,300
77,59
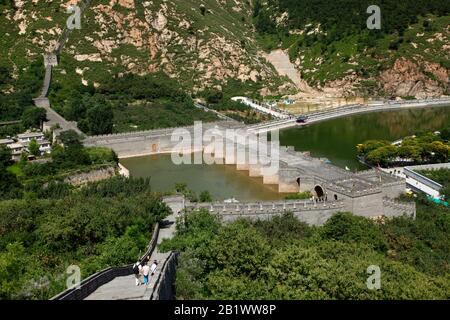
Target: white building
28,136
16,150
44,146
23,143
5,142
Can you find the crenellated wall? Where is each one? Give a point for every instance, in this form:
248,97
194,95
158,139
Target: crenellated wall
309,211
361,193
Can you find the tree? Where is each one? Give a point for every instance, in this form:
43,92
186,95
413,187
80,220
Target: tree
383,155
410,152
73,153
213,96
441,151
33,117
350,228
33,147
70,138
100,119
256,8
5,75
445,134
12,264
202,9
10,187
240,249
5,156
205,196
365,148
181,187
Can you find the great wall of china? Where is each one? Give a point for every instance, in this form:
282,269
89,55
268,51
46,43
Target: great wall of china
369,193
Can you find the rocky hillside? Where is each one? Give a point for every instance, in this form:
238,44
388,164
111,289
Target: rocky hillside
200,43
212,43
331,46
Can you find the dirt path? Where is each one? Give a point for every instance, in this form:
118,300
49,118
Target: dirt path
280,60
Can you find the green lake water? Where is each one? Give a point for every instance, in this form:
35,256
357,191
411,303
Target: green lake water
335,140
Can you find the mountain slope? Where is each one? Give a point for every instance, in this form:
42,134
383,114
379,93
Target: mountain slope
199,48
335,51
219,43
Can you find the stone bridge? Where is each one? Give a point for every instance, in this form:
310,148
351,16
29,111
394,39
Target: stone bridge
291,171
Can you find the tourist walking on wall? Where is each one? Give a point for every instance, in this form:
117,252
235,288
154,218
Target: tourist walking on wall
145,272
153,267
137,272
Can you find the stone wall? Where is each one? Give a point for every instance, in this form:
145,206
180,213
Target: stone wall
392,208
144,143
164,287
311,212
123,171
91,176
368,205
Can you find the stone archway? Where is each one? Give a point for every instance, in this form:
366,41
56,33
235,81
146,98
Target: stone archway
320,193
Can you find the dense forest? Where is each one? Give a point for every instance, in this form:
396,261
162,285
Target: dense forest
127,103
47,224
284,258
343,17
104,224
16,99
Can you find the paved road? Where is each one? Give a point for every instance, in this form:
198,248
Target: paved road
281,114
346,111
124,288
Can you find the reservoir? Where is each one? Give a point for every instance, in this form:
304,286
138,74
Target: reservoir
335,140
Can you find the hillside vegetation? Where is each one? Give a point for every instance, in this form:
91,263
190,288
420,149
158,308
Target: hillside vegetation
332,46
199,47
204,44
47,224
96,227
284,258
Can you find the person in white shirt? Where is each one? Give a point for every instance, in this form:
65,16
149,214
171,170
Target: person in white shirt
145,272
153,267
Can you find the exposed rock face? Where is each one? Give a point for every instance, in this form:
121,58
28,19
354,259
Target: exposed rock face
149,36
406,79
280,60
172,45
91,176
